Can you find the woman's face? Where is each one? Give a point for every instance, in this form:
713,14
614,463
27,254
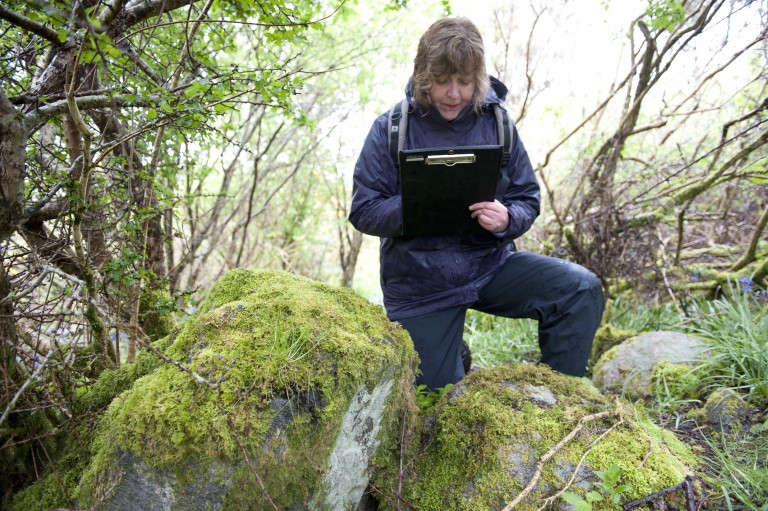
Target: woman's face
450,95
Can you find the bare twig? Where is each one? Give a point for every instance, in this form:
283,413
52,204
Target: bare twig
35,375
690,496
749,255
548,501
548,455
402,446
237,22
399,499
29,25
248,460
187,370
663,254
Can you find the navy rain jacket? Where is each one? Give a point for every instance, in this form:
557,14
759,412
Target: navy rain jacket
426,274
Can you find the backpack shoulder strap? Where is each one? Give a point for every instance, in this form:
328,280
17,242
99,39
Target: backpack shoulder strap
505,141
397,124
504,132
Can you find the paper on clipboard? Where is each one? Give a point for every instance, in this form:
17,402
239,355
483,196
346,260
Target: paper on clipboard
439,184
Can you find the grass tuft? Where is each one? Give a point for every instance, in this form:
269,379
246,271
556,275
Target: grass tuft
494,340
736,329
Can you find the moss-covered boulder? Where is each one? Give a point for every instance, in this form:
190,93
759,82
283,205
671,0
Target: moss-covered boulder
528,433
725,411
279,392
629,367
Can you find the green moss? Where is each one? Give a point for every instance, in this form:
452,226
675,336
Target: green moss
59,488
606,337
724,410
269,343
673,380
114,381
481,443
262,338
19,459
606,357
652,458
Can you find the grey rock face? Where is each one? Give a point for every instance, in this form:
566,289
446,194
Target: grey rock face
628,366
137,487
348,473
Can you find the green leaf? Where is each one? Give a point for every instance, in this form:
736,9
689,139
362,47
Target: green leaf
594,496
577,502
610,475
665,14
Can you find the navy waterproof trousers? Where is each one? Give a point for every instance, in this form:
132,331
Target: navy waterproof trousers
565,298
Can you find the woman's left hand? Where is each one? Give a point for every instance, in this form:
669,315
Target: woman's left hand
492,216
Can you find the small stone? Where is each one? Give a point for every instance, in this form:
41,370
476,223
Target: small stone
725,410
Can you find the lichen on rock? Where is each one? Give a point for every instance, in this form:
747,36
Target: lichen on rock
481,444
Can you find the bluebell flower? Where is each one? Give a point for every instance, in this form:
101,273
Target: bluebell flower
747,284
695,276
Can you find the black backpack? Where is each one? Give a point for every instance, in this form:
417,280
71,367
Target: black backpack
397,125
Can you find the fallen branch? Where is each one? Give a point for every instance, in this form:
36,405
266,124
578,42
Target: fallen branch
549,500
548,456
690,496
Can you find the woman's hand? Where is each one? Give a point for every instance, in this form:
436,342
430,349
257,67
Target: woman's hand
492,216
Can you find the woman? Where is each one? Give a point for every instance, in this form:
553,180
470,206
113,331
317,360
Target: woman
429,282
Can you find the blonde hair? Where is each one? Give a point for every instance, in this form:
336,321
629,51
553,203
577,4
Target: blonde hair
450,45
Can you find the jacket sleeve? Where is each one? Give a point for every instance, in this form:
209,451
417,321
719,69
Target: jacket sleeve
522,197
376,203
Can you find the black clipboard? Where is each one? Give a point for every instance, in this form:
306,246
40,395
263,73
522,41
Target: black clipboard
439,184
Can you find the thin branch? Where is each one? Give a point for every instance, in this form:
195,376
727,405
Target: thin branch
46,112
140,63
528,76
47,270
677,192
548,456
714,73
699,187
248,461
112,9
166,358
237,22
29,25
548,501
35,208
749,255
27,383
686,484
